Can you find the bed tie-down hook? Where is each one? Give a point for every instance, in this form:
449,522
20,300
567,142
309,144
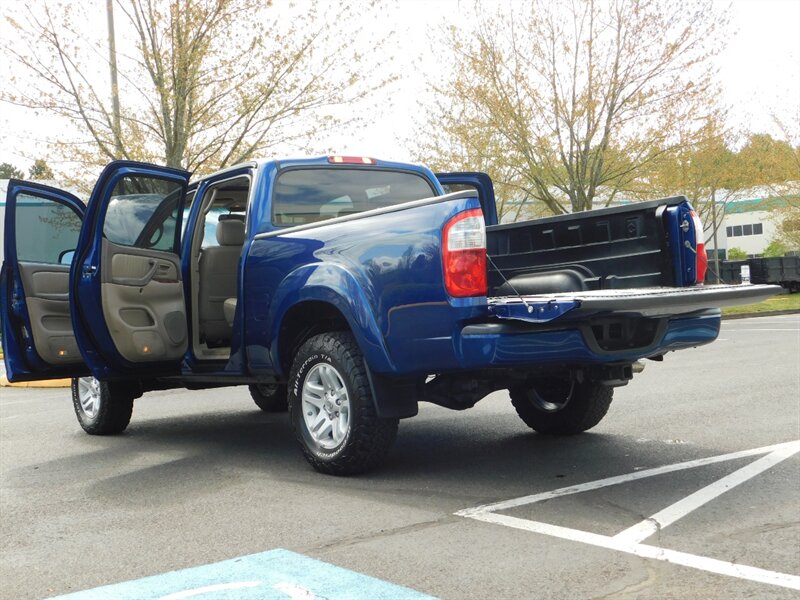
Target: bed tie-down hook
529,307
685,226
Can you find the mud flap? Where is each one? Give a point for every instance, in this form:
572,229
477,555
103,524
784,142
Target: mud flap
394,397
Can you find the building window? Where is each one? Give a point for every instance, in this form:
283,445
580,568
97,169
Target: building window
729,231
737,230
758,229
747,230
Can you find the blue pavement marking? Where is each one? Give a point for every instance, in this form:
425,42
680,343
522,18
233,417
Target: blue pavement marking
274,575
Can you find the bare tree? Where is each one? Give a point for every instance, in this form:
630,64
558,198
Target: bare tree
202,83
579,97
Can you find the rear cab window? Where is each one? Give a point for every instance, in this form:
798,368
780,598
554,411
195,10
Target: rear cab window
311,195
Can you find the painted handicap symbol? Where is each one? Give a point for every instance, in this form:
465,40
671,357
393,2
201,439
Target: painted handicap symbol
274,575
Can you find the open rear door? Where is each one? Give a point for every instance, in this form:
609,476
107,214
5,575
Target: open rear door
127,299
459,182
41,231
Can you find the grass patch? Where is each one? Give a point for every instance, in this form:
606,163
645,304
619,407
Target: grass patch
779,302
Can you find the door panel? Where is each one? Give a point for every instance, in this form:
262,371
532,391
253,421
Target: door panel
143,304
127,295
47,298
41,230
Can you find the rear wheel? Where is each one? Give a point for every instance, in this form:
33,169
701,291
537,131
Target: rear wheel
332,409
561,406
269,397
102,408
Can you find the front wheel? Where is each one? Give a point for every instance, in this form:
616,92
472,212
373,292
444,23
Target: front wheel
332,409
561,406
102,408
269,397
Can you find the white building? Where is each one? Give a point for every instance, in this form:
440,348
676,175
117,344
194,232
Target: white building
749,225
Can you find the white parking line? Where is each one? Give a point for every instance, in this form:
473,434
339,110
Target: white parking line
601,483
702,563
629,539
762,329
663,518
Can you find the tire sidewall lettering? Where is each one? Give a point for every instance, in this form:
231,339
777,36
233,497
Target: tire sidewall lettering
305,368
302,372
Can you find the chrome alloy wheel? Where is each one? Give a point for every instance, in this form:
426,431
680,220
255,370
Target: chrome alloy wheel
89,395
326,406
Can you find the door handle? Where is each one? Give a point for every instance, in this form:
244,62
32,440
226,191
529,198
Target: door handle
138,281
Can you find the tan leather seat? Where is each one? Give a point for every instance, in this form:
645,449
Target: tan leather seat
229,310
218,277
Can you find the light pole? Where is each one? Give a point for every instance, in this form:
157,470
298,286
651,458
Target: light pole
714,225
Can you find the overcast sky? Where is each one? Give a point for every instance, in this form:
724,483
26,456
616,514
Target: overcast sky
760,70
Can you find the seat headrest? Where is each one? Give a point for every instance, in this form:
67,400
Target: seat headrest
230,232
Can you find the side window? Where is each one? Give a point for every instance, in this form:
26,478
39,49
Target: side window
47,231
143,213
210,227
449,188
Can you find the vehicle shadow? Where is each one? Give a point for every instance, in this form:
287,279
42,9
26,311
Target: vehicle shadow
474,455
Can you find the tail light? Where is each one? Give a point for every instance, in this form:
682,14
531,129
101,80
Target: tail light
464,254
351,160
701,258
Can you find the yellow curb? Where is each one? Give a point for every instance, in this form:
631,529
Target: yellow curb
49,383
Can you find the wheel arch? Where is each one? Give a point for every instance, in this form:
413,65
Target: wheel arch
330,298
303,321
393,397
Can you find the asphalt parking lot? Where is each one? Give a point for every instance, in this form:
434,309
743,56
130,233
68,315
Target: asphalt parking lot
689,488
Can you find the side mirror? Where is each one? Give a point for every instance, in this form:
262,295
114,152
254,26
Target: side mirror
65,258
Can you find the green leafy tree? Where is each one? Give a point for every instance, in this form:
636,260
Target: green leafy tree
789,225
9,171
41,170
202,83
775,248
736,254
701,167
769,161
567,104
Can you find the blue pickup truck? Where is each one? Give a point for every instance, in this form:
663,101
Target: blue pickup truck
346,290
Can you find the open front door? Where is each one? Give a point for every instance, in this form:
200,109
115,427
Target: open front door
459,182
41,231
128,307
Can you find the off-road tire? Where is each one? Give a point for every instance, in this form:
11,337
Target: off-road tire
113,411
587,403
368,438
270,398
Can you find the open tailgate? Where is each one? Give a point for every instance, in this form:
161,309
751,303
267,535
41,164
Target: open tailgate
651,302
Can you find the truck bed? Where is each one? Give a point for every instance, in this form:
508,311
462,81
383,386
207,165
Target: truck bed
615,248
